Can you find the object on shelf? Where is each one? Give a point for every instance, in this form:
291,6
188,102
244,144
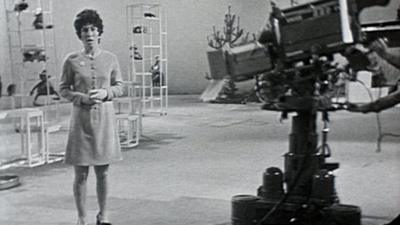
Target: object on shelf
38,21
156,75
11,89
32,54
44,88
20,6
149,15
136,54
1,87
139,29
8,181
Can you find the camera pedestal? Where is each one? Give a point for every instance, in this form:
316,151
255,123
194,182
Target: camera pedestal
305,192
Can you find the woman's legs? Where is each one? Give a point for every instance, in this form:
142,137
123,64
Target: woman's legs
102,189
79,188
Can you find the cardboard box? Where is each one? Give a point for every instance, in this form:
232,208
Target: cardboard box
217,64
246,61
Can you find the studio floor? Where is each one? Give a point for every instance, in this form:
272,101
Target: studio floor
192,161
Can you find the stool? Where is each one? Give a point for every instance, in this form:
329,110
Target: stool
51,157
27,121
26,130
128,130
134,108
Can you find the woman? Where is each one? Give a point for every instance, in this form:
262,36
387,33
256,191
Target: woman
90,79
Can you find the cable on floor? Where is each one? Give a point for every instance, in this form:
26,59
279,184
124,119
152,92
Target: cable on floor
381,134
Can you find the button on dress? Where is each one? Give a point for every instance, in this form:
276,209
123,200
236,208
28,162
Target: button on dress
93,138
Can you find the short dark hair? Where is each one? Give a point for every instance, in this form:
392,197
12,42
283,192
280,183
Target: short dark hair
85,17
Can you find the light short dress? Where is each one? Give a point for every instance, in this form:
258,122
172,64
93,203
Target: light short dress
93,138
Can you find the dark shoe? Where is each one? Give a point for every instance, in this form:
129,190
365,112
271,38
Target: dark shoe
137,30
137,56
102,223
21,6
79,223
149,14
98,222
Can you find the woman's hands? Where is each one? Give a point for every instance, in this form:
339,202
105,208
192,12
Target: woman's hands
85,100
98,95
94,96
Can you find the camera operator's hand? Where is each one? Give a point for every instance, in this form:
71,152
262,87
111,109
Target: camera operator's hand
98,95
364,108
379,46
383,50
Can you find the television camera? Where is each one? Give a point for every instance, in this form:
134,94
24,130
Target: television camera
295,56
293,64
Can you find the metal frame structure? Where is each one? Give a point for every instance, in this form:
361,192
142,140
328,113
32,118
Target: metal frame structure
22,35
129,122
147,37
27,33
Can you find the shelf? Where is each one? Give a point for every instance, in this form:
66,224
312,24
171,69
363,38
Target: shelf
147,33
151,46
141,60
160,87
26,12
41,62
143,74
146,18
152,18
156,98
150,86
146,100
131,82
32,47
143,5
126,99
149,99
30,30
145,86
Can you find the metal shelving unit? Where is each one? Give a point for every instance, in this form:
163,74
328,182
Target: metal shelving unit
32,49
147,37
24,38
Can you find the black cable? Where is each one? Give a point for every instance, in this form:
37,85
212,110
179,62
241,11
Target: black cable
284,197
293,185
381,134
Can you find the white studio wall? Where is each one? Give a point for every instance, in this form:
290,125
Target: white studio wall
189,23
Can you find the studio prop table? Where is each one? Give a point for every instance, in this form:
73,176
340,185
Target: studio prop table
27,121
129,116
